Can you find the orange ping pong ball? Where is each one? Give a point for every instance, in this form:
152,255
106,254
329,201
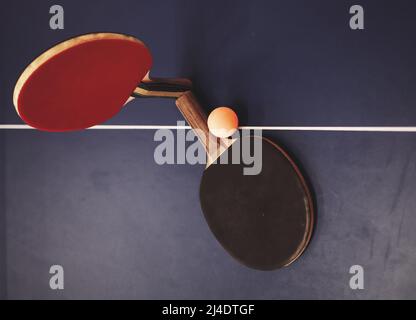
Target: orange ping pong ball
223,122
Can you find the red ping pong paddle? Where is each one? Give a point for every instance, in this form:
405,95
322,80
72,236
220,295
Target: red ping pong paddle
86,80
264,221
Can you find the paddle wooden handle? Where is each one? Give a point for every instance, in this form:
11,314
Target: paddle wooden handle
197,119
195,116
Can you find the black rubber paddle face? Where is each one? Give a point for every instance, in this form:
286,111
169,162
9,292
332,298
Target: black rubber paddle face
265,221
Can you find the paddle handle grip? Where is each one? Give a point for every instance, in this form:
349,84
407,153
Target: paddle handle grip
197,119
193,113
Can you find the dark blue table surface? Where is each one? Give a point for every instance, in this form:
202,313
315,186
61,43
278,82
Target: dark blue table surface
122,226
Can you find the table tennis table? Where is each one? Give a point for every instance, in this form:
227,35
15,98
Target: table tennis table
341,101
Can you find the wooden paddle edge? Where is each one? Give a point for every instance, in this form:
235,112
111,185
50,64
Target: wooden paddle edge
310,214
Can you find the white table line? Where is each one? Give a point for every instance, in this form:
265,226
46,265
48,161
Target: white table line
101,127
345,129
265,128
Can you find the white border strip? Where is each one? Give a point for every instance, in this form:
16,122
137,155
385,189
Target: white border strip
265,128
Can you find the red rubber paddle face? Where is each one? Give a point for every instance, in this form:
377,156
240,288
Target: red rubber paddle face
82,85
